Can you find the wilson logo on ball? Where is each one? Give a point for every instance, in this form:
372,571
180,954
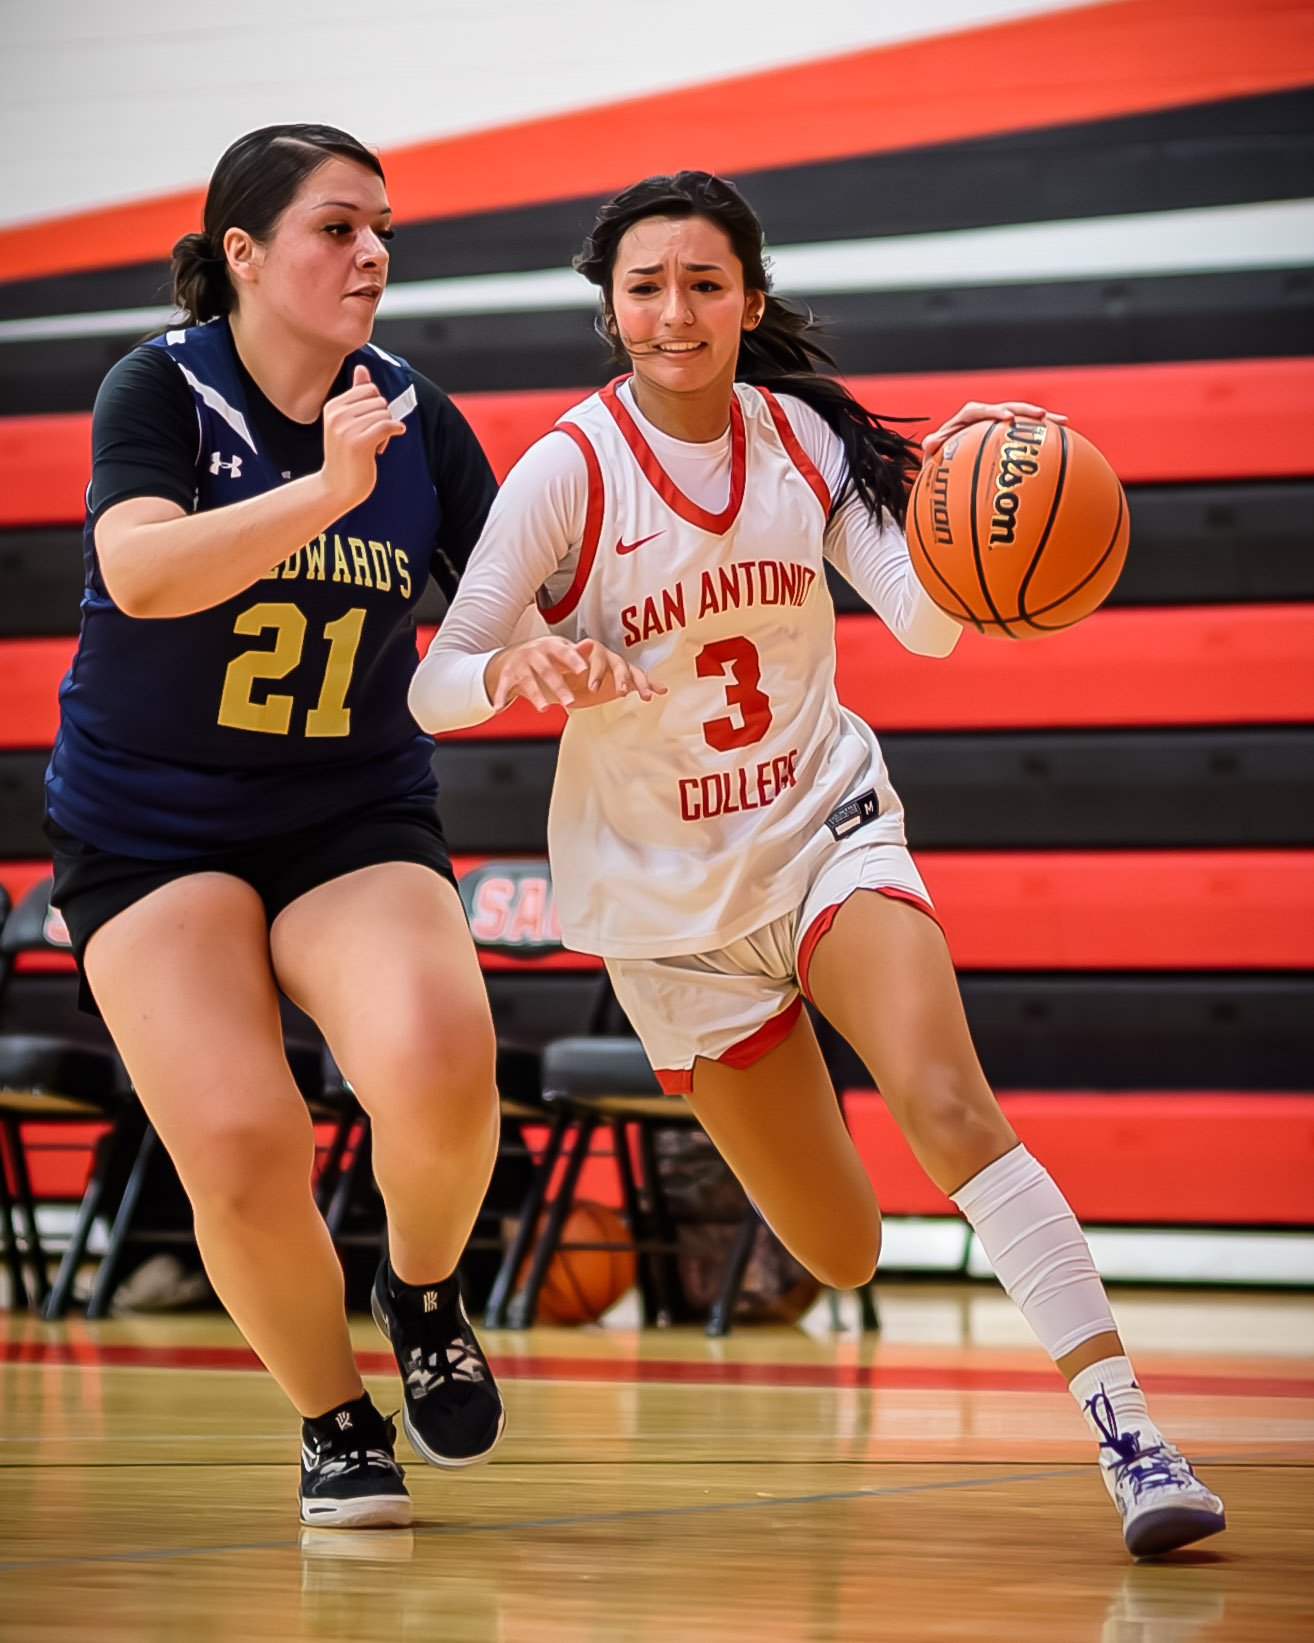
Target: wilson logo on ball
1017,458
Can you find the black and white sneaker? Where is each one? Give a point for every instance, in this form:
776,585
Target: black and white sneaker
453,1412
349,1478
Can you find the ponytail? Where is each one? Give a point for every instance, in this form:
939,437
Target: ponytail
201,287
780,353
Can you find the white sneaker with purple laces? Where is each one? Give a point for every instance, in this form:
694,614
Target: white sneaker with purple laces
1162,1503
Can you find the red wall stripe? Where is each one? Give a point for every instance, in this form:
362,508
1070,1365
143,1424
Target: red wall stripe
1245,664
1079,63
1179,1159
1071,909
1134,909
1207,664
1115,909
1221,419
1206,1159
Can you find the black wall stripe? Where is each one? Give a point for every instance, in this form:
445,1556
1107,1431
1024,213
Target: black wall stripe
1224,1030
1133,1031
1036,790
1255,314
1191,544
1213,153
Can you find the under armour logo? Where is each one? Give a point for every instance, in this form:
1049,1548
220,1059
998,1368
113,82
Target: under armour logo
431,1300
343,1420
234,467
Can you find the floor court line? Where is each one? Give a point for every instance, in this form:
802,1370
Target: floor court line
457,1530
1001,1475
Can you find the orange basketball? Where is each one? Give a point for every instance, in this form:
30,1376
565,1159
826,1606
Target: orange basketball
582,1283
1018,528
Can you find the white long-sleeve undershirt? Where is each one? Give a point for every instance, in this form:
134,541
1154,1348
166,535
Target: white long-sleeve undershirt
537,523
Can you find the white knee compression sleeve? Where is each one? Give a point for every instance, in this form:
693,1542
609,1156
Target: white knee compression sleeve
1038,1251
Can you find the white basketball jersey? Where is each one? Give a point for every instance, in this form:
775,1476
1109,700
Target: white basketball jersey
681,824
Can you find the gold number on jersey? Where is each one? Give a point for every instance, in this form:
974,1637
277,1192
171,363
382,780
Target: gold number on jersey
329,717
740,656
274,714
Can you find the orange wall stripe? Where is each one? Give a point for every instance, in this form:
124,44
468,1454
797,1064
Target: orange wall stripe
1114,909
1210,664
1218,419
1072,910
1222,664
1204,1158
1084,63
1124,910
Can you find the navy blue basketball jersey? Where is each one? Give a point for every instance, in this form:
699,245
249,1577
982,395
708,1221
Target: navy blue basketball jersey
282,707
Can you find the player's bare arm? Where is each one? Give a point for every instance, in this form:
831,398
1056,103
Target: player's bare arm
159,561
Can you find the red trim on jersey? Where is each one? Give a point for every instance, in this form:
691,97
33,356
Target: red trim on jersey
661,481
679,1080
588,548
797,455
826,918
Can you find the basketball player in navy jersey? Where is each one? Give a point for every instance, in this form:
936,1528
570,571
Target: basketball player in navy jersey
722,830
239,801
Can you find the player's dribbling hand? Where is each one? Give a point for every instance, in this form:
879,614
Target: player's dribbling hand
977,411
553,671
357,428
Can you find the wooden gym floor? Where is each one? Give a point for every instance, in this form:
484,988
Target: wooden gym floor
932,1483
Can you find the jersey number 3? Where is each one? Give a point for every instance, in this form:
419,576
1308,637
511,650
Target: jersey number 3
330,716
740,658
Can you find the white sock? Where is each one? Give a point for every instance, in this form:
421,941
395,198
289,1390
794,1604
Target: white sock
1038,1251
1114,1407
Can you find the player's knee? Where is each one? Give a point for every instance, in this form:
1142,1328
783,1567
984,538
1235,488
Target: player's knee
440,1086
248,1170
953,1122
847,1259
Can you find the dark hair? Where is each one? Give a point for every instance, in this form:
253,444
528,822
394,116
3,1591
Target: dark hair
256,180
780,354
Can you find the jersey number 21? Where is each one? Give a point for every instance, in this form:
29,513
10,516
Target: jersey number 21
330,716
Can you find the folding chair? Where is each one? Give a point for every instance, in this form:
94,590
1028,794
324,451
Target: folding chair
71,1075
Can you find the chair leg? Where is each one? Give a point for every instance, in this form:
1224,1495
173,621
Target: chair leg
103,1170
868,1316
530,1210
639,1228
36,1255
524,1309
13,1255
741,1252
108,1272
666,1275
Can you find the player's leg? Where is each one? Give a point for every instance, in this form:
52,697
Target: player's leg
183,980
882,974
382,959
727,1030
778,1125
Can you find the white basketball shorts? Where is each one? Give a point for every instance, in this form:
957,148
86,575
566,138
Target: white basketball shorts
735,1004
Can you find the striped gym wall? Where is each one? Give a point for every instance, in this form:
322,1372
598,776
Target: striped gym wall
1105,208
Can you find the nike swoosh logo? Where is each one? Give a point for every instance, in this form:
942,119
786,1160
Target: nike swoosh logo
622,546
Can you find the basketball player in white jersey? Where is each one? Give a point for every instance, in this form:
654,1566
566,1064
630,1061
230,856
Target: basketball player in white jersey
722,830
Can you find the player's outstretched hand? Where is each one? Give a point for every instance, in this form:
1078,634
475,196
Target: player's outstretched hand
555,671
357,428
977,411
